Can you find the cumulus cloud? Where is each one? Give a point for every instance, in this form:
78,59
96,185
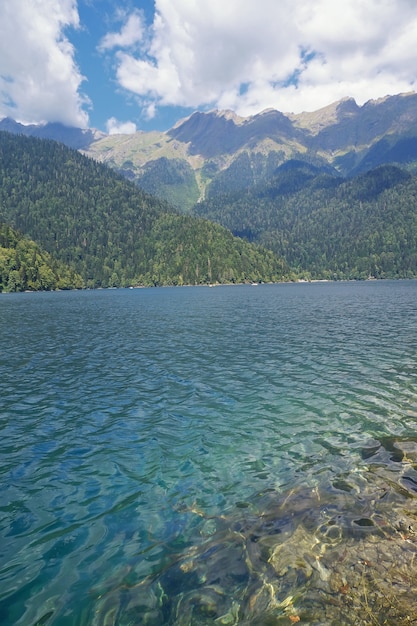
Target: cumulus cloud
115,127
39,79
292,55
130,34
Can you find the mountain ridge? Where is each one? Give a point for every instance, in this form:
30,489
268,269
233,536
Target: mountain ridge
188,162
306,219
72,137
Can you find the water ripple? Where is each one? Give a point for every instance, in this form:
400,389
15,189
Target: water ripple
133,422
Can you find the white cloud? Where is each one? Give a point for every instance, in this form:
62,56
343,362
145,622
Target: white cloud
115,127
39,79
292,55
130,34
247,56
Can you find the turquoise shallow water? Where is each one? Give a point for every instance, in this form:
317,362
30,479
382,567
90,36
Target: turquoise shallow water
151,437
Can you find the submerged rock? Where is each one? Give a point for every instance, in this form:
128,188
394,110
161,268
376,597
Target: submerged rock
337,554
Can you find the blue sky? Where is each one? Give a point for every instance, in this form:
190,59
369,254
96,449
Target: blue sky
110,100
131,65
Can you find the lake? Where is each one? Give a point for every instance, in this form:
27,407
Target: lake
228,455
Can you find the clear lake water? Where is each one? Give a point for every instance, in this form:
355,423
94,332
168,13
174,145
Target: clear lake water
228,455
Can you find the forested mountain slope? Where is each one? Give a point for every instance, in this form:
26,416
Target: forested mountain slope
326,226
109,231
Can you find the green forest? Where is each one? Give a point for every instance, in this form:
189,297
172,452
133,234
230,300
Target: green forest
24,266
106,231
325,226
67,221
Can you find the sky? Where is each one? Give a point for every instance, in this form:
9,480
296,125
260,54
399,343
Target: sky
127,65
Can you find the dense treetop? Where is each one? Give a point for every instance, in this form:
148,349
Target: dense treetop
326,226
109,231
24,266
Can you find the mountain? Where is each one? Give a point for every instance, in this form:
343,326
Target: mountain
218,151
325,226
76,138
216,133
110,232
331,194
